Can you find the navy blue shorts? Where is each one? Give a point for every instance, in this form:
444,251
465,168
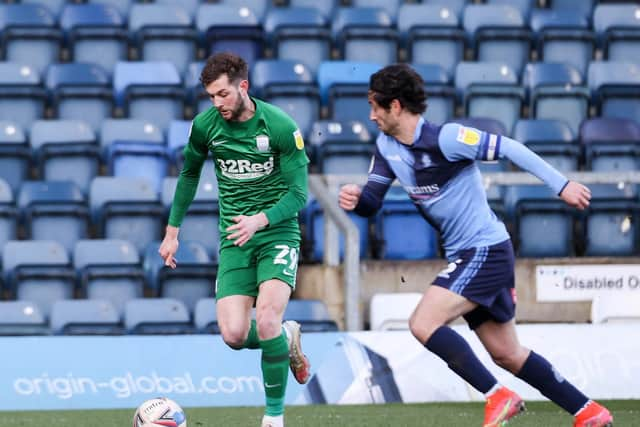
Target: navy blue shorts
484,275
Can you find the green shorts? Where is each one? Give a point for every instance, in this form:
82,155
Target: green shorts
241,270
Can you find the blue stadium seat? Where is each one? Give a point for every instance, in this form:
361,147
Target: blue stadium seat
126,208
129,130
227,28
95,33
201,221
53,6
177,138
618,29
491,126
196,97
557,91
340,147
441,96
523,6
312,315
149,90
615,87
37,271
54,210
552,140
193,279
343,89
85,317
22,97
8,214
29,35
65,150
391,7
611,144
431,34
533,208
204,316
289,85
257,7
326,7
80,91
455,6
110,270
121,6
156,316
581,8
189,6
563,36
15,155
365,34
163,33
401,231
611,221
491,90
299,34
498,33
21,318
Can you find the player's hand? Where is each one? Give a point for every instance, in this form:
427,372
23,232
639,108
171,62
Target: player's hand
169,247
576,195
245,227
349,196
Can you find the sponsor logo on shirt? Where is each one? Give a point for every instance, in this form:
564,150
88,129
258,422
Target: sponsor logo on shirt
468,136
244,169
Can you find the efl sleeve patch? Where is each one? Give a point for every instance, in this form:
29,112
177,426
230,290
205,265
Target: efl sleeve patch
299,140
468,136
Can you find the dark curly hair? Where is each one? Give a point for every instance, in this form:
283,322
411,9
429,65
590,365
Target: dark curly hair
227,63
401,82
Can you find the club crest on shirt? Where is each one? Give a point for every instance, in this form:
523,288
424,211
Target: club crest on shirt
262,143
468,136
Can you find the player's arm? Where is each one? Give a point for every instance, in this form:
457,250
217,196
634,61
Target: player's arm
460,142
195,154
368,200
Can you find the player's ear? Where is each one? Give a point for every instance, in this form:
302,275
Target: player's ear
243,86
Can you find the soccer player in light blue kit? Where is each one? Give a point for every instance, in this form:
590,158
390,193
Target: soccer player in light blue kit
436,166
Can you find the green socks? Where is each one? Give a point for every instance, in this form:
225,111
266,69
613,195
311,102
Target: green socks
252,340
275,372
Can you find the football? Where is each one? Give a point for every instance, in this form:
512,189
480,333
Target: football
159,412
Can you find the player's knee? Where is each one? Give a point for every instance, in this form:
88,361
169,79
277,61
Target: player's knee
234,338
421,329
510,359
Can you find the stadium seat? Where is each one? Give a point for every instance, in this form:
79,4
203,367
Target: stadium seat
163,32
343,90
80,91
257,7
126,208
611,144
121,6
21,318
618,29
65,150
22,96
53,6
498,34
557,91
401,231
29,35
228,28
581,8
201,222
189,6
455,6
562,36
365,34
177,138
610,307
312,315
15,155
441,96
533,208
299,34
523,6
431,34
37,271
196,97
95,33
391,311
193,279
129,130
149,90
612,220
109,269
156,316
326,7
289,85
552,140
490,90
340,147
615,87
8,214
54,210
85,317
391,7
205,318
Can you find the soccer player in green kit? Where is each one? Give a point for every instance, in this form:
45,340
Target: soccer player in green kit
261,167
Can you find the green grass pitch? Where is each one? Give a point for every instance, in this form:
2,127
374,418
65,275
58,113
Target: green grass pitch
626,414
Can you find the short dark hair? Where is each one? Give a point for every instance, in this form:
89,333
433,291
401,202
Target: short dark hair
224,63
401,82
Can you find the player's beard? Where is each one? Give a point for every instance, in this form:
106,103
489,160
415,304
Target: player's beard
237,110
